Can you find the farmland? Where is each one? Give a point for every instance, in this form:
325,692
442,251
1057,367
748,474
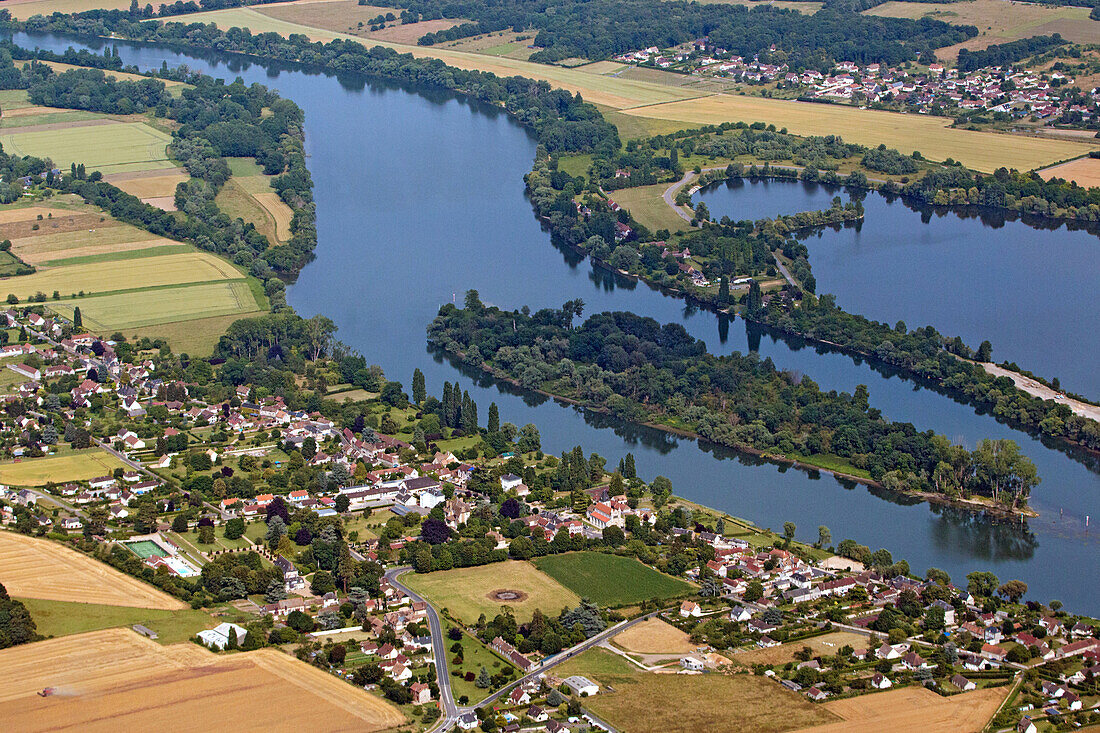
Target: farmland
107,276
998,21
655,637
248,195
1084,171
913,709
697,702
79,466
829,644
36,568
62,618
134,309
466,592
107,146
610,580
116,680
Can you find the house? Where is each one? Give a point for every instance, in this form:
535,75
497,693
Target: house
103,482
70,523
218,636
581,686
963,683
816,695
537,714
519,696
467,721
690,608
26,371
880,681
913,661
421,693
510,481
740,613
1072,701
691,663
994,652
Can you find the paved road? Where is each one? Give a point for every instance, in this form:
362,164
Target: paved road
786,273
60,502
439,651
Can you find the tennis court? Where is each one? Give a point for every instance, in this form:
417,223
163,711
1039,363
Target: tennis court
146,549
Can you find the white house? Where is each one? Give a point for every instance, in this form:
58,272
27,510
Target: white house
691,663
880,681
690,608
510,481
219,635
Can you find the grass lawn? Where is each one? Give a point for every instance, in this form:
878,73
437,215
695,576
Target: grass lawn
475,655
133,309
61,618
86,464
575,165
689,702
646,204
465,592
111,148
190,540
610,580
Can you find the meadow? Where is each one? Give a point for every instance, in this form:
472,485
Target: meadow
689,702
655,636
105,276
62,618
610,580
645,203
106,146
116,680
137,308
465,592
39,568
78,466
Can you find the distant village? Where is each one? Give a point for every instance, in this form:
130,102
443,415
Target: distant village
931,90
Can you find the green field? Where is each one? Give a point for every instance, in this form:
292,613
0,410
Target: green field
189,541
475,655
80,466
645,203
689,702
197,337
465,592
610,580
140,308
107,277
47,118
113,148
62,618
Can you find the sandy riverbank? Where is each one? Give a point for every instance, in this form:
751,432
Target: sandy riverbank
1040,390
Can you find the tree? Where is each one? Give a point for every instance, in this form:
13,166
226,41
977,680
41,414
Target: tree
985,352
824,536
322,583
435,531
299,621
276,530
754,591
234,528
179,523
78,319
342,503
723,291
483,681
613,536
521,549
1013,590
423,562
494,418
206,535
318,333
981,583
275,592
789,530
1004,471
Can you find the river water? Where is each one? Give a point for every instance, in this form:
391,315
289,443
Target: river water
420,197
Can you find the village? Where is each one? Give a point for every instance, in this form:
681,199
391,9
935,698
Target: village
823,623
933,89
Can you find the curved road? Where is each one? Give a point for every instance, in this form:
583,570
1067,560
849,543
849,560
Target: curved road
452,711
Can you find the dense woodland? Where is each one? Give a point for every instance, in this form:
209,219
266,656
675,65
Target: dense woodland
643,371
1007,54
599,29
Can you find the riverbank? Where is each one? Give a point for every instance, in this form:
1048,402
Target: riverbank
1036,388
827,465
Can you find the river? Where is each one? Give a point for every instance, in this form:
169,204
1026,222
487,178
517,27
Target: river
420,197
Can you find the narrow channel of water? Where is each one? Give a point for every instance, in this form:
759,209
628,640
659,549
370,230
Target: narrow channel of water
975,274
419,197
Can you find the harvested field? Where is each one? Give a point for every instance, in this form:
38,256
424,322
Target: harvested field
105,277
136,308
998,21
37,568
913,710
710,702
829,644
23,9
466,592
164,203
1083,171
411,33
53,221
111,147
655,637
17,214
984,151
79,466
116,680
150,186
107,236
279,211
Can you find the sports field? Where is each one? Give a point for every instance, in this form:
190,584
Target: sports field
78,466
37,568
468,592
114,147
643,702
655,637
116,680
610,580
913,710
107,276
140,308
